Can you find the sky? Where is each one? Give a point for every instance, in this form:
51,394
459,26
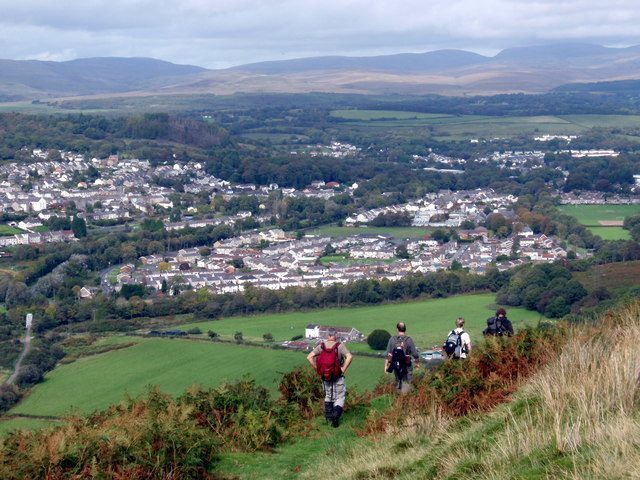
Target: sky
223,33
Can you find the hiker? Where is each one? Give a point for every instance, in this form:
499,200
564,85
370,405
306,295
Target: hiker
458,342
499,325
400,351
331,360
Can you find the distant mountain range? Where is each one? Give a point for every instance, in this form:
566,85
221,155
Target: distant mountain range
26,79
531,69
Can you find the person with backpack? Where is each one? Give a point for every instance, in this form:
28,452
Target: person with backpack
331,360
400,352
458,342
499,325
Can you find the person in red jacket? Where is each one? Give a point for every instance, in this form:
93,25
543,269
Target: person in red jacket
335,388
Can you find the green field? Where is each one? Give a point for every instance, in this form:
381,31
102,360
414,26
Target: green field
591,216
43,108
346,261
276,138
377,115
95,382
7,230
23,423
610,233
397,232
428,320
455,127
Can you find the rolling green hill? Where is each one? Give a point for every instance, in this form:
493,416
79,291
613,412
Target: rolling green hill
174,365
428,321
574,414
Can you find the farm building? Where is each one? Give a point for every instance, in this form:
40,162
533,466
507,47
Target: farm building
320,332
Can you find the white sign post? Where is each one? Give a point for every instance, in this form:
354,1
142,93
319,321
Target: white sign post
29,319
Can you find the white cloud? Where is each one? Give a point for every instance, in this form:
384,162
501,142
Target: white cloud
226,32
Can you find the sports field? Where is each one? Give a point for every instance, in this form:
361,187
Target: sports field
597,216
397,232
481,126
428,320
98,381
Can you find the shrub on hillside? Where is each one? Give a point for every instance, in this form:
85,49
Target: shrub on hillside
378,339
242,415
154,436
9,396
487,378
146,438
302,387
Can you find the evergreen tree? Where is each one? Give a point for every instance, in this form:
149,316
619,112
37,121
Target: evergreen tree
79,227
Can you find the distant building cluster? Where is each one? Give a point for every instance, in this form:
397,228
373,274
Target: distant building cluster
273,260
443,209
598,198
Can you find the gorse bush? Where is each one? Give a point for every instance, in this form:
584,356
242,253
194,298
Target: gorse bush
479,383
493,371
151,437
241,415
301,387
154,436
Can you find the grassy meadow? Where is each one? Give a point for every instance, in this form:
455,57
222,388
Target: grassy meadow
97,381
428,321
455,127
591,216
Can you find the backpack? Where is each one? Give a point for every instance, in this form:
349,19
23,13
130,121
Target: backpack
494,327
453,344
399,364
328,363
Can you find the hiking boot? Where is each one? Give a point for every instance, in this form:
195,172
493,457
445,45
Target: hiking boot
329,411
337,413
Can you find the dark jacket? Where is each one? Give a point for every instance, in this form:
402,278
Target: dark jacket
409,347
498,327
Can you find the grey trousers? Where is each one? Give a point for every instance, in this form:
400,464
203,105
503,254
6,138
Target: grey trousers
335,392
404,385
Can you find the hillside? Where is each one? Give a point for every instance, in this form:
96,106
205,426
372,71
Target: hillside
531,69
577,418
21,79
572,411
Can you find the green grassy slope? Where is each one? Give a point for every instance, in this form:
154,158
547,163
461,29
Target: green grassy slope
471,126
578,418
95,382
428,321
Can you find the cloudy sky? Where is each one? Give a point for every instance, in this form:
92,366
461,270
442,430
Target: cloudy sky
222,33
